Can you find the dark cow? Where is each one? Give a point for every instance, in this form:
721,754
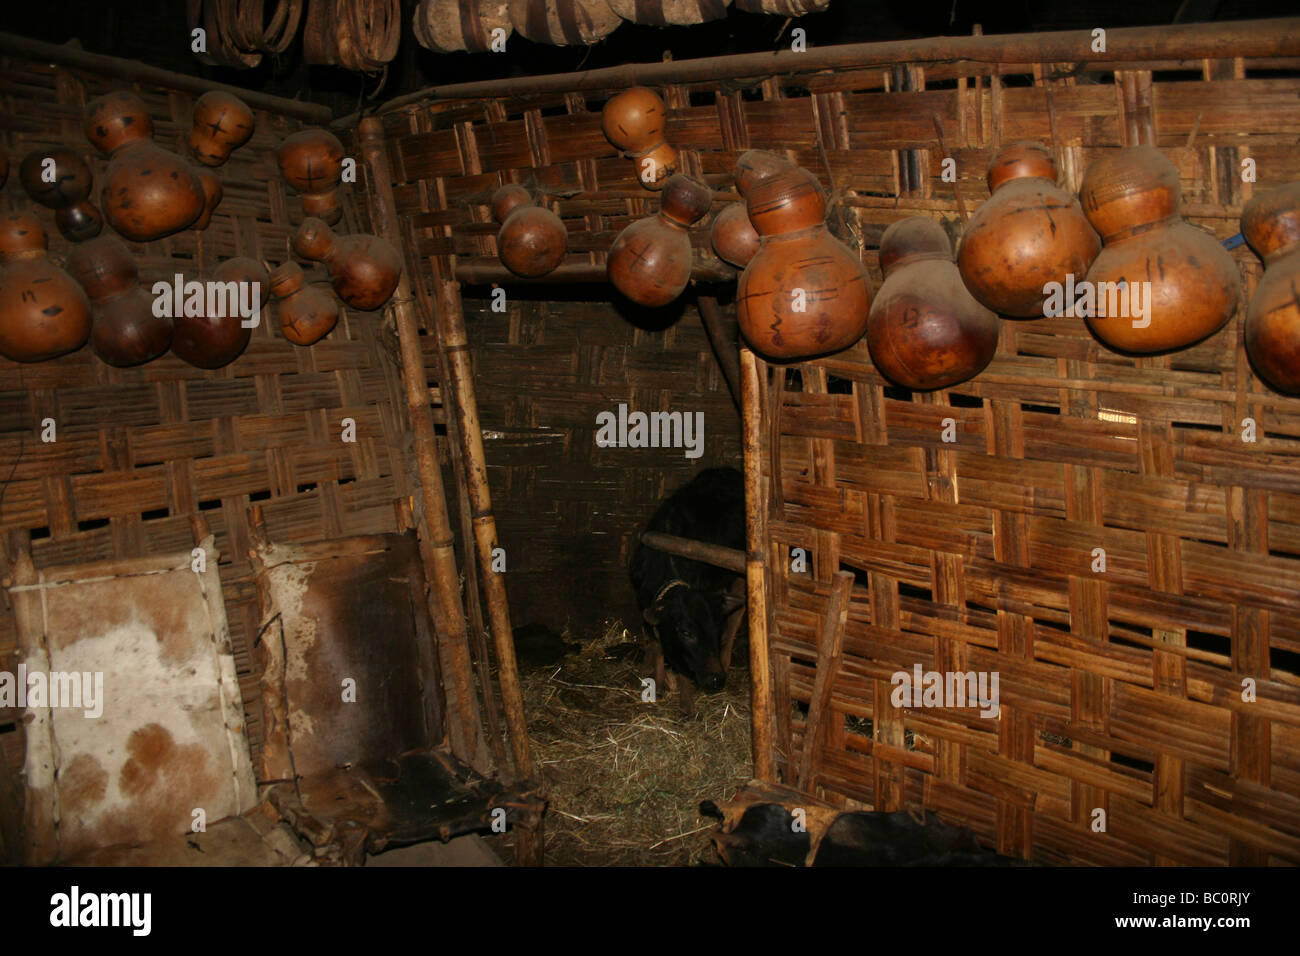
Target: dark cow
685,603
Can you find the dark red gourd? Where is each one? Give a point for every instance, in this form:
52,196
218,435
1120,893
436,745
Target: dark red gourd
307,313
1271,224
733,236
212,194
1133,197
925,330
148,192
1029,234
364,269
311,161
532,239
43,311
805,293
60,179
634,121
213,341
650,261
222,123
126,329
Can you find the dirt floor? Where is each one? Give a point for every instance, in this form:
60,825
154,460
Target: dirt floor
625,778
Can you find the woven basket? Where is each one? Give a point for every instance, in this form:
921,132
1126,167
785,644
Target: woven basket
564,22
662,13
446,26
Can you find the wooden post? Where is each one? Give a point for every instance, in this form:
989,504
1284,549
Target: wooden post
724,345
714,554
755,569
445,604
828,662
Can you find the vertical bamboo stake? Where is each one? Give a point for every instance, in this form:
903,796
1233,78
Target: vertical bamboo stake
828,661
723,346
446,607
755,563
455,343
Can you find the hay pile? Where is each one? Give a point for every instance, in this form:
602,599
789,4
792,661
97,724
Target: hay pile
625,778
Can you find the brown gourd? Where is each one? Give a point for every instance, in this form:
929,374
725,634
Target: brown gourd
126,330
805,293
532,239
60,179
307,314
650,261
212,193
363,269
733,236
43,311
634,121
925,330
1132,196
148,192
212,341
1271,224
1029,234
222,123
311,161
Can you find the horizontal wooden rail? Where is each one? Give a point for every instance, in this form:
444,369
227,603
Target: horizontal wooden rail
714,554
16,46
488,273
1236,38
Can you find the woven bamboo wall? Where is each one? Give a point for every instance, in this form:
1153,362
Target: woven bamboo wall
1120,691
139,450
567,512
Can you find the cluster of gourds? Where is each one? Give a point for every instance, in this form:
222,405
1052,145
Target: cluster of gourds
149,194
934,324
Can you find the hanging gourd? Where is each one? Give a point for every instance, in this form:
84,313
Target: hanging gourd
634,121
311,161
650,261
805,293
364,269
532,239
925,330
212,193
307,314
222,123
213,341
733,236
564,22
665,13
126,331
1187,284
1271,224
1029,234
60,179
148,192
43,312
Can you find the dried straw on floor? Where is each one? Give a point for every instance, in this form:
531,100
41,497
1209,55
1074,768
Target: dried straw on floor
625,778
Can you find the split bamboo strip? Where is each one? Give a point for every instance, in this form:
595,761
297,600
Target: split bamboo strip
828,663
724,345
755,570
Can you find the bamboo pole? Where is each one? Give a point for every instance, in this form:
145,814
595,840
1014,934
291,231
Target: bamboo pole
714,554
16,46
1238,38
755,567
454,343
724,347
828,661
445,602
492,273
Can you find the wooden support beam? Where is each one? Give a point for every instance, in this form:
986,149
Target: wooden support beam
714,554
760,674
725,345
828,662
493,273
16,46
